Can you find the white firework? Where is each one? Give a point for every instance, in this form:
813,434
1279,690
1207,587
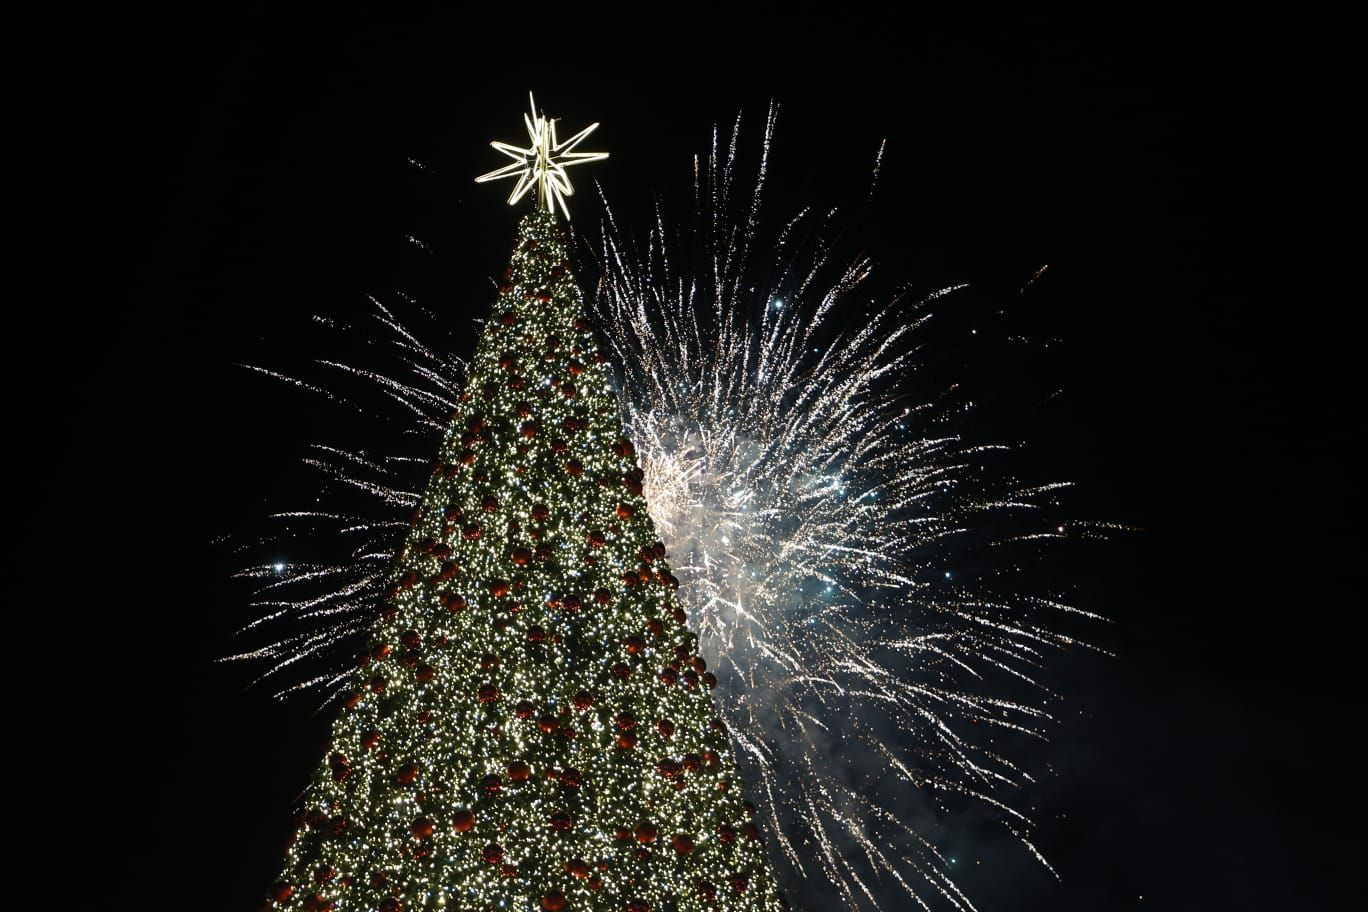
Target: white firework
813,517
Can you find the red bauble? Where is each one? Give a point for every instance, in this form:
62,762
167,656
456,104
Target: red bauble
490,504
548,724
381,651
488,693
706,889
554,901
582,700
454,602
668,676
682,843
625,511
471,531
498,587
646,832
709,679
597,539
634,644
522,557
390,904
574,467
541,512
623,447
562,822
536,634
424,673
739,883
626,741
577,868
750,831
621,671
519,771
492,853
638,905
571,778
625,721
463,821
379,683
571,604
491,784
603,596
281,892
406,774
528,429
726,834
422,827
655,628
525,709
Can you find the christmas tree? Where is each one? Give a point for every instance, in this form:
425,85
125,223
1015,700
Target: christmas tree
531,727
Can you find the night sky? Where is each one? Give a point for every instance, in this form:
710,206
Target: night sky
218,180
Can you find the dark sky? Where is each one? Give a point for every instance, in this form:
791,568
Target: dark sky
218,179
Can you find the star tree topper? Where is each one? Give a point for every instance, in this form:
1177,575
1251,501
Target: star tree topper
542,164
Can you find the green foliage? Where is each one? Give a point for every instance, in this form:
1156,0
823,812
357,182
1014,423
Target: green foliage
531,728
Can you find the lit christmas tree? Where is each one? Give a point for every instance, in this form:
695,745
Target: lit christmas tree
531,728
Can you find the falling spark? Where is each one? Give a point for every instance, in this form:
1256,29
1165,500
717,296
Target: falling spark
814,517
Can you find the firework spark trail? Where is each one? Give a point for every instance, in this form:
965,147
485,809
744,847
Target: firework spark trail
811,514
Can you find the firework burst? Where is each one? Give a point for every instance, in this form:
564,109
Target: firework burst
814,515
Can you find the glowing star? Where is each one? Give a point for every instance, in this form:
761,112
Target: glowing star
542,164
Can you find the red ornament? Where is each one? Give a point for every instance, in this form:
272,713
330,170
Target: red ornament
381,651
646,832
739,883
541,512
370,738
577,868
625,511
525,709
562,822
571,778
536,634
621,671
488,693
522,557
597,539
634,644
625,721
491,784
463,821
626,741
390,904
582,700
454,602
603,596
709,680
668,676
548,724
424,673
682,843
528,429
519,771
623,447
498,587
750,831
574,467
706,889
281,892
422,827
726,834
378,684
407,774
638,905
471,531
492,853
655,627
554,901
571,604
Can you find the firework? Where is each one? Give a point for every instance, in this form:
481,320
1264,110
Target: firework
814,516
